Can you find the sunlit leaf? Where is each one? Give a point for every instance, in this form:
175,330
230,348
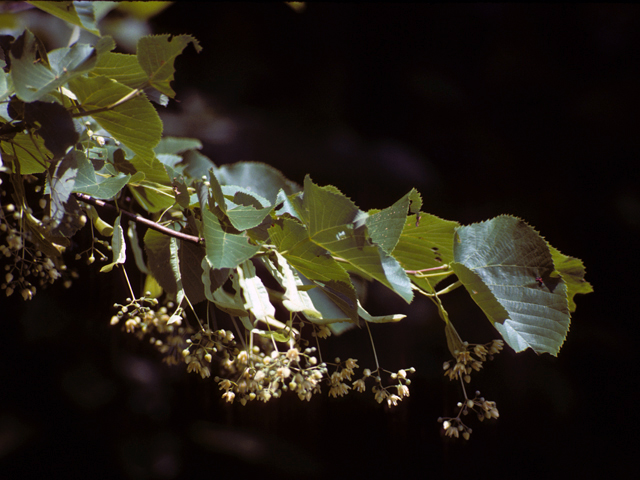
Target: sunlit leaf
61,186
121,67
290,205
177,145
231,304
246,209
34,79
426,242
386,225
379,319
256,177
103,187
256,297
174,262
143,10
224,249
156,55
338,226
5,90
572,271
315,263
76,13
27,150
507,268
135,122
295,299
118,246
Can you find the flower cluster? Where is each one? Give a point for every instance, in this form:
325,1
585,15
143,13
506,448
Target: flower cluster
256,366
257,373
466,361
30,260
386,393
167,332
201,348
453,427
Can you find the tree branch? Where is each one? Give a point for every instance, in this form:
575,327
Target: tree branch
144,221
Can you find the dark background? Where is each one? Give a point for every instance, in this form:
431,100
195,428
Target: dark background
486,109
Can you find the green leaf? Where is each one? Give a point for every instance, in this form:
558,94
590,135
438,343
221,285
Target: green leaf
256,297
118,247
386,226
426,242
231,304
215,193
104,45
499,262
281,336
196,165
152,198
27,150
247,210
191,271
572,271
61,186
135,122
290,205
225,249
76,13
177,145
121,67
156,55
256,177
336,224
132,234
330,313
162,260
155,193
5,90
174,261
379,319
295,298
314,262
102,187
34,78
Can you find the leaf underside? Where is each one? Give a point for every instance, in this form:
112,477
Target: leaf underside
507,268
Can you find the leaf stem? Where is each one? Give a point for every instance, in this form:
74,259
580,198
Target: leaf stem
193,310
124,271
450,288
416,272
373,346
144,221
126,98
447,289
